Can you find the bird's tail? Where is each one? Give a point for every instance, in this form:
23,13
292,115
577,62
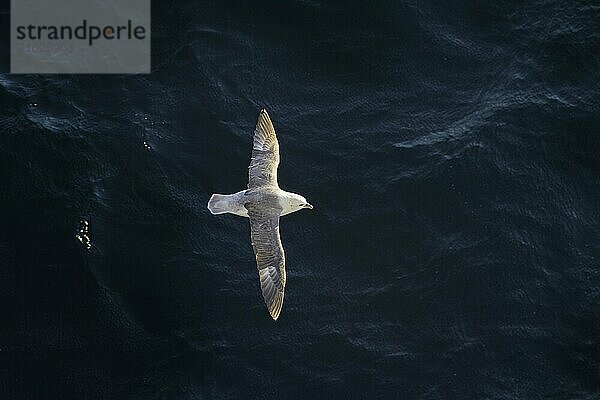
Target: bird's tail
218,203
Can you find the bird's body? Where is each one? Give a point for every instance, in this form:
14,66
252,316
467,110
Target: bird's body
272,197
264,202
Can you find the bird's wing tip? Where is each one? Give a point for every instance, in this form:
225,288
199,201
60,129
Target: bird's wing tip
275,308
274,315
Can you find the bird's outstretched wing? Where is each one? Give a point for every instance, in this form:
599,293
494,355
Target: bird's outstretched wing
270,257
265,154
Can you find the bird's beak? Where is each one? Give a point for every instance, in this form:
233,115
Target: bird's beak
309,206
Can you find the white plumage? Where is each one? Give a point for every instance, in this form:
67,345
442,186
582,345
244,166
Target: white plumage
264,202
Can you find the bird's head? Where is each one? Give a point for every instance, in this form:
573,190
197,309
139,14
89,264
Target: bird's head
299,202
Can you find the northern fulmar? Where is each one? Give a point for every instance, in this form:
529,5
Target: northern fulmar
264,202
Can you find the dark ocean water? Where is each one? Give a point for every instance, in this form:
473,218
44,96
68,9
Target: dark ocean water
451,151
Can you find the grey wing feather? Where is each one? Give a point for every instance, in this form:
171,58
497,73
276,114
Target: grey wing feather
265,154
270,257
